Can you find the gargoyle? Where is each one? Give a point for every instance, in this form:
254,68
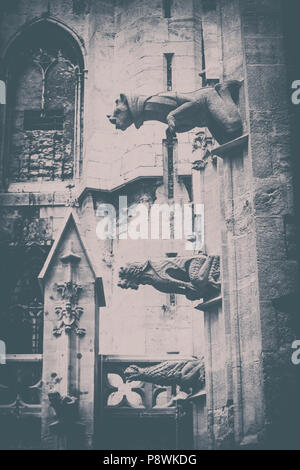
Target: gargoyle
65,408
67,422
212,107
196,278
187,374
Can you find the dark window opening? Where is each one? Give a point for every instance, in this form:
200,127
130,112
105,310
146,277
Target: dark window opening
169,60
167,8
209,5
170,170
49,121
22,310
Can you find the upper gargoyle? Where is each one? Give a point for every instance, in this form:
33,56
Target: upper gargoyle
212,107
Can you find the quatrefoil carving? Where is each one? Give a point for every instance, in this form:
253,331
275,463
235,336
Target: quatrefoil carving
129,392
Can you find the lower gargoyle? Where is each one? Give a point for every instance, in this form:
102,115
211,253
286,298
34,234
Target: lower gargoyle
196,278
187,374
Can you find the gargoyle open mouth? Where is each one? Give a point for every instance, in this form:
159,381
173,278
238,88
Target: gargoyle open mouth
111,119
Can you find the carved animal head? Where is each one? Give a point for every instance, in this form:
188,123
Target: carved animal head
121,117
132,373
55,399
130,275
65,407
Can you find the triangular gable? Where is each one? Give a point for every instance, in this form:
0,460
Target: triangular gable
71,220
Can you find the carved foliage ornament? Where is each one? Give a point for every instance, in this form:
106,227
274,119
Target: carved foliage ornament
69,291
68,320
68,315
203,145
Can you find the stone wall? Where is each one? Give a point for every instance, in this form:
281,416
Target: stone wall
270,153
257,212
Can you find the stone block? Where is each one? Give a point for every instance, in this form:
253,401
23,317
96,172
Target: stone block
268,51
265,87
270,197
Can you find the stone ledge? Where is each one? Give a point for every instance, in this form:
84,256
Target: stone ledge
135,359
24,357
224,149
199,394
209,304
33,199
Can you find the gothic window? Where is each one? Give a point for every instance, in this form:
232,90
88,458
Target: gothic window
44,106
211,43
170,150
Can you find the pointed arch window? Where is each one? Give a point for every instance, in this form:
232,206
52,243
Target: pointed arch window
44,112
